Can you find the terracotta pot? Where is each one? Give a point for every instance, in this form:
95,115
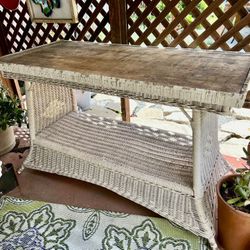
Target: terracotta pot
7,140
233,225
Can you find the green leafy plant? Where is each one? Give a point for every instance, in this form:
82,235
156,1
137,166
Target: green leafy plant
247,152
236,191
10,112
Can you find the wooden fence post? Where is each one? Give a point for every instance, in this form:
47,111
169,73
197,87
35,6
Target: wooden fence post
9,84
119,34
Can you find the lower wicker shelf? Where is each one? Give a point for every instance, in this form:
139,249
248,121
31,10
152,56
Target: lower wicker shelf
154,155
151,167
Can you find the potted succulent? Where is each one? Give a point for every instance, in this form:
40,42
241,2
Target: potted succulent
233,192
10,114
247,152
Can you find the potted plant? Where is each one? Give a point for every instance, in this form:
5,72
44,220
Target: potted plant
10,114
247,152
233,192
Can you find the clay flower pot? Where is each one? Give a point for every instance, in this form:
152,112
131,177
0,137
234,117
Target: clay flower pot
7,140
233,225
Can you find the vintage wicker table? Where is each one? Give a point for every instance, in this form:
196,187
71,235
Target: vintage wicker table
171,174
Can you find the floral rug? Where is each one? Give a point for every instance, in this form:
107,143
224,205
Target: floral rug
33,225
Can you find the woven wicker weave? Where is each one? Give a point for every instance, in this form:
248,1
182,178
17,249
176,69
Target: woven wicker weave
171,174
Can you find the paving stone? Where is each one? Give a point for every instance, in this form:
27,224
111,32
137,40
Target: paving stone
113,103
101,97
116,106
241,113
141,105
101,111
222,119
233,147
169,109
238,127
150,113
103,100
178,117
133,104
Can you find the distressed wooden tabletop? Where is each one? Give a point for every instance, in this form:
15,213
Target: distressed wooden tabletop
220,71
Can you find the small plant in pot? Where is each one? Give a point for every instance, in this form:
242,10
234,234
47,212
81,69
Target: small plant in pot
10,114
233,193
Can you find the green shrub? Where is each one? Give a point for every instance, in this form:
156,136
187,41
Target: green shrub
10,112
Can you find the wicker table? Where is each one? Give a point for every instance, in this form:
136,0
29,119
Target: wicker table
172,174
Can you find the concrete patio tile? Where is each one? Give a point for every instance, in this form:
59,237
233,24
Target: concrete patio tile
104,112
150,113
178,117
116,106
233,147
238,127
241,113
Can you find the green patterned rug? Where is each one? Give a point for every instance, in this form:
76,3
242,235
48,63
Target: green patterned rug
33,225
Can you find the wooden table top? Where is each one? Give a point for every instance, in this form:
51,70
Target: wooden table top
221,71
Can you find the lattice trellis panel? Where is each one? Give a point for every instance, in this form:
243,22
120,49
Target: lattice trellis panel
21,33
208,24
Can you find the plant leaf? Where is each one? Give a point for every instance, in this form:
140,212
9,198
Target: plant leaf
240,204
246,152
233,201
240,190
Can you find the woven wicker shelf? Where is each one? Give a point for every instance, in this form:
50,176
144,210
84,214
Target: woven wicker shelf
127,147
171,174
